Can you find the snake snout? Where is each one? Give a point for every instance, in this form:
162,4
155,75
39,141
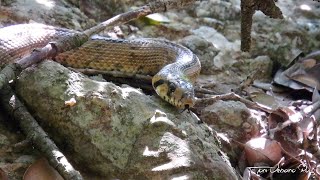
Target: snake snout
178,92
188,100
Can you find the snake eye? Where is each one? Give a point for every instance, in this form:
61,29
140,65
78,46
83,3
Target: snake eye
172,87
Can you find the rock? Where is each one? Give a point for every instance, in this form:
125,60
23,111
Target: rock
220,10
213,36
262,64
224,59
49,12
117,131
234,122
204,50
4,140
231,118
26,159
283,40
100,10
216,24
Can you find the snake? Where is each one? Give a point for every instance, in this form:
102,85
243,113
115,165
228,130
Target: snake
174,67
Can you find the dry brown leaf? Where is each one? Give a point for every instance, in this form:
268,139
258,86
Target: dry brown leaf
265,100
305,72
306,79
304,176
250,175
283,114
315,96
293,115
306,126
41,170
309,63
3,175
262,150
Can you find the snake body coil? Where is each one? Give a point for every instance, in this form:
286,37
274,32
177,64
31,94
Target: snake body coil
174,68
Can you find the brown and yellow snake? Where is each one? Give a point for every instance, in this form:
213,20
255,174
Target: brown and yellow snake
174,68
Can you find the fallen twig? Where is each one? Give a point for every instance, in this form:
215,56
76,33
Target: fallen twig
36,135
203,102
307,112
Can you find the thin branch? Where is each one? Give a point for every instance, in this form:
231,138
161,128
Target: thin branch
37,135
153,7
204,102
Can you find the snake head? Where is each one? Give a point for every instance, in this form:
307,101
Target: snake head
174,89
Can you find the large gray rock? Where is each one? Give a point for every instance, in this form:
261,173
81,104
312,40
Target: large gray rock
120,132
56,13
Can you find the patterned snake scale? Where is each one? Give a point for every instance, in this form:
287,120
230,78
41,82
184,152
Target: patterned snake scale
174,68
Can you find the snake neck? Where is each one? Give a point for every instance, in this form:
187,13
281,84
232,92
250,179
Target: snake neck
174,86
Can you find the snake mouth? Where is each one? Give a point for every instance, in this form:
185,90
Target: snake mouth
174,102
184,103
